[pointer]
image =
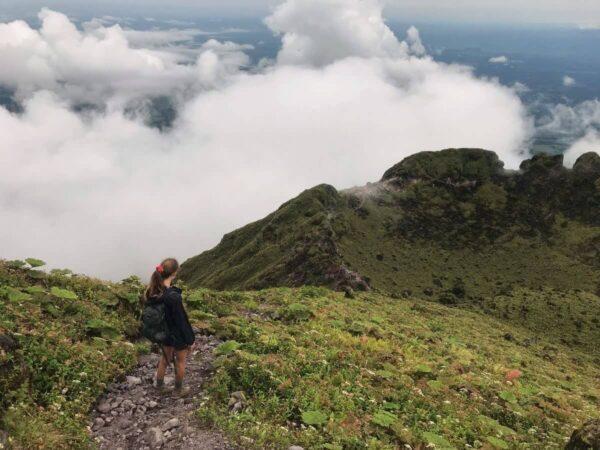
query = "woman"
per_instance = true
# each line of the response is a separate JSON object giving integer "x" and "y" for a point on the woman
{"x": 180, "y": 333}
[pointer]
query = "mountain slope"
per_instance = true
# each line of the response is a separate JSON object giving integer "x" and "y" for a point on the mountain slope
{"x": 320, "y": 370}
{"x": 435, "y": 220}
{"x": 63, "y": 338}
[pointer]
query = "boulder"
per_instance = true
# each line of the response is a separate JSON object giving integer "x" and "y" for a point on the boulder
{"x": 133, "y": 381}
{"x": 7, "y": 342}
{"x": 586, "y": 438}
{"x": 455, "y": 164}
{"x": 155, "y": 437}
{"x": 104, "y": 406}
{"x": 587, "y": 165}
{"x": 170, "y": 424}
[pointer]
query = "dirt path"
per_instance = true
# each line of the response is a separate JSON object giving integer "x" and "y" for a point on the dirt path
{"x": 132, "y": 414}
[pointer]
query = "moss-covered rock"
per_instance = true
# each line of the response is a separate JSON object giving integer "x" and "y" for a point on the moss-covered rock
{"x": 464, "y": 164}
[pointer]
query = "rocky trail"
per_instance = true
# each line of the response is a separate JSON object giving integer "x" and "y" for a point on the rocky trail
{"x": 133, "y": 414}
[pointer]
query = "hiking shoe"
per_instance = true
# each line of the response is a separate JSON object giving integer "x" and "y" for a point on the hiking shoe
{"x": 181, "y": 392}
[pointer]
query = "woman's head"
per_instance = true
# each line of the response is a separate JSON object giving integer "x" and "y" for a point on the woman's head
{"x": 165, "y": 271}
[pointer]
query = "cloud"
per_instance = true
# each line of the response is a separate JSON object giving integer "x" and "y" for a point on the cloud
{"x": 320, "y": 32}
{"x": 581, "y": 123}
{"x": 589, "y": 26}
{"x": 572, "y": 120}
{"x": 100, "y": 62}
{"x": 568, "y": 81}
{"x": 99, "y": 191}
{"x": 499, "y": 60}
{"x": 589, "y": 143}
{"x": 520, "y": 88}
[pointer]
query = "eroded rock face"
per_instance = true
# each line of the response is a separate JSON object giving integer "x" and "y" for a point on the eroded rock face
{"x": 586, "y": 438}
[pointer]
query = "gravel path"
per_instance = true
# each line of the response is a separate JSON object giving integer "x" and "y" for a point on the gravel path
{"x": 132, "y": 414}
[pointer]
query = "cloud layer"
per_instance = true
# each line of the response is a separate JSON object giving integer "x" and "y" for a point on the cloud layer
{"x": 97, "y": 190}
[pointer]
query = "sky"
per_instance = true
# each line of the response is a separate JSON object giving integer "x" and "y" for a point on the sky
{"x": 90, "y": 186}
{"x": 574, "y": 12}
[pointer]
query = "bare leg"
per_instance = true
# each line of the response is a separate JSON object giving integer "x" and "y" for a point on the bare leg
{"x": 180, "y": 360}
{"x": 165, "y": 359}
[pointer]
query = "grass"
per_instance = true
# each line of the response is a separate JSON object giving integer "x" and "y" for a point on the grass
{"x": 324, "y": 371}
{"x": 71, "y": 335}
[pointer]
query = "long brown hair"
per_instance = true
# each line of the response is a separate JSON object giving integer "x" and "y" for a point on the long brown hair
{"x": 163, "y": 271}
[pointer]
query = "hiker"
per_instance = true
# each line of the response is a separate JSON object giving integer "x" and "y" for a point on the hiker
{"x": 165, "y": 303}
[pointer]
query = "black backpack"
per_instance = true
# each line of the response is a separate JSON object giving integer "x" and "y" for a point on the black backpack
{"x": 154, "y": 324}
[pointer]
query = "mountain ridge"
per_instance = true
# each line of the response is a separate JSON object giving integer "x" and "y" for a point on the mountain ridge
{"x": 446, "y": 203}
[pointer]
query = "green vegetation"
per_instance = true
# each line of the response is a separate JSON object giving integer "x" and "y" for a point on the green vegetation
{"x": 469, "y": 317}
{"x": 434, "y": 217}
{"x": 62, "y": 339}
{"x": 375, "y": 372}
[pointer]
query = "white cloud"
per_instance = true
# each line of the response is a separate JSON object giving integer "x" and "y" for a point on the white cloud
{"x": 499, "y": 60}
{"x": 102, "y": 193}
{"x": 589, "y": 26}
{"x": 318, "y": 32}
{"x": 520, "y": 88}
{"x": 589, "y": 143}
{"x": 574, "y": 121}
{"x": 568, "y": 81}
{"x": 582, "y": 122}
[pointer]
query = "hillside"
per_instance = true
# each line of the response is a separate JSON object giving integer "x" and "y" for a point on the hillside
{"x": 434, "y": 220}
{"x": 308, "y": 366}
{"x": 449, "y": 226}
{"x": 63, "y": 338}
{"x": 324, "y": 371}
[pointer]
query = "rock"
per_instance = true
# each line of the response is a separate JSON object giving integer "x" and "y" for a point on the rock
{"x": 348, "y": 292}
{"x": 127, "y": 404}
{"x": 586, "y": 438}
{"x": 453, "y": 164}
{"x": 239, "y": 395}
{"x": 104, "y": 407}
{"x": 98, "y": 422}
{"x": 7, "y": 343}
{"x": 133, "y": 381}
{"x": 124, "y": 423}
{"x": 587, "y": 164}
{"x": 173, "y": 423}
{"x": 295, "y": 447}
{"x": 154, "y": 437}
{"x": 152, "y": 404}
{"x": 237, "y": 401}
{"x": 3, "y": 439}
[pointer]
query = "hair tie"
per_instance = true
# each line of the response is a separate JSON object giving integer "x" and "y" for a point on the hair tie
{"x": 160, "y": 268}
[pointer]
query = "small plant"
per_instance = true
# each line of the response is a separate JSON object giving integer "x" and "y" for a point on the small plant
{"x": 15, "y": 264}
{"x": 227, "y": 347}
{"x": 34, "y": 262}
{"x": 314, "y": 417}
{"x": 295, "y": 312}
{"x": 384, "y": 418}
{"x": 99, "y": 327}
{"x": 63, "y": 293}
